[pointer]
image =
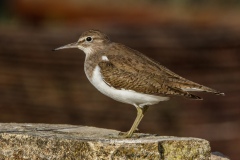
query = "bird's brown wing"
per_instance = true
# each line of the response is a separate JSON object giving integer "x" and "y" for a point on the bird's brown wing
{"x": 178, "y": 82}
{"x": 137, "y": 64}
{"x": 142, "y": 81}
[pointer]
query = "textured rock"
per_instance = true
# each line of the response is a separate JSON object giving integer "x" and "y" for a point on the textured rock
{"x": 45, "y": 141}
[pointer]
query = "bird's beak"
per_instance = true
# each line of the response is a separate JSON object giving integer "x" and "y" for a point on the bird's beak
{"x": 71, "y": 45}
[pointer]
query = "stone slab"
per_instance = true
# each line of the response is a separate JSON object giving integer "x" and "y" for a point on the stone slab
{"x": 54, "y": 141}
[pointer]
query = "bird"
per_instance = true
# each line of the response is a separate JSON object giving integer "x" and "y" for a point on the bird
{"x": 128, "y": 76}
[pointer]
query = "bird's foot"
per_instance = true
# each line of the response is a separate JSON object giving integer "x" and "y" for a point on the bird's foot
{"x": 135, "y": 135}
{"x": 129, "y": 134}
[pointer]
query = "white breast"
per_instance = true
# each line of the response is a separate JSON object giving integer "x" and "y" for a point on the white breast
{"x": 125, "y": 96}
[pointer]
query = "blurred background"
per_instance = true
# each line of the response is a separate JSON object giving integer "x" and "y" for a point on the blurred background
{"x": 200, "y": 40}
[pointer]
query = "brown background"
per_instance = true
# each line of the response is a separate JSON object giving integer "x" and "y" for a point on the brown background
{"x": 199, "y": 41}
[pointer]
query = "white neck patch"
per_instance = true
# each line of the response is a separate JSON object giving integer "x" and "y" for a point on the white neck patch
{"x": 104, "y": 58}
{"x": 87, "y": 50}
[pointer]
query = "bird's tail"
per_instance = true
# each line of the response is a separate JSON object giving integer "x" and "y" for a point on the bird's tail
{"x": 200, "y": 88}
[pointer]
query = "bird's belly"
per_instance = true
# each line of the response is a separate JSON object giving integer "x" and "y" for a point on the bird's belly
{"x": 122, "y": 95}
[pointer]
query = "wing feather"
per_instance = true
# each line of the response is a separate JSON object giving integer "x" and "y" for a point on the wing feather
{"x": 135, "y": 71}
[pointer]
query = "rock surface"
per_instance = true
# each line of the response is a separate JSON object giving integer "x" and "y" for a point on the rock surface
{"x": 48, "y": 141}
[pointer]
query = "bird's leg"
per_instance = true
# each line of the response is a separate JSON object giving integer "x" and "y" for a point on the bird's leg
{"x": 140, "y": 113}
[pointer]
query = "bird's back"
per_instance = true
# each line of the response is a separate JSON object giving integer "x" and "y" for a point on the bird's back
{"x": 143, "y": 74}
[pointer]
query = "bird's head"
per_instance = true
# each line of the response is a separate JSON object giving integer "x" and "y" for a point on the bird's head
{"x": 89, "y": 42}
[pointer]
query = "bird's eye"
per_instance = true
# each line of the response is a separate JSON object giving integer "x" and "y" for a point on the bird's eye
{"x": 89, "y": 39}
